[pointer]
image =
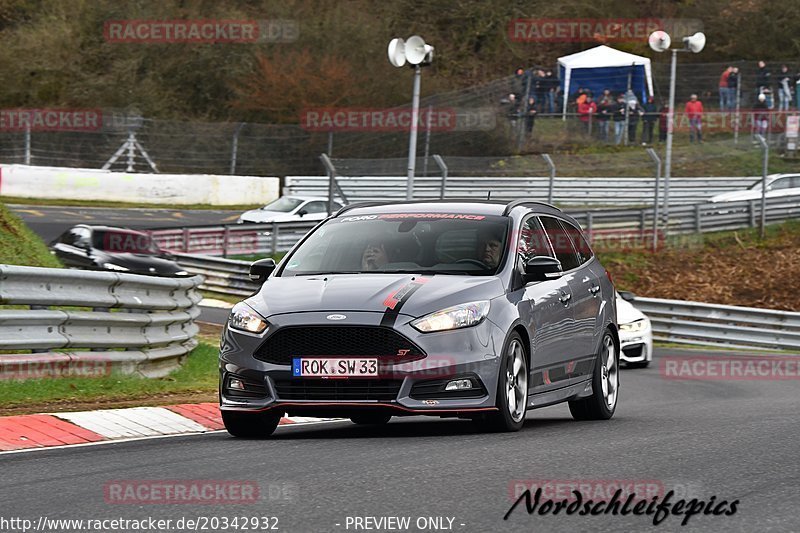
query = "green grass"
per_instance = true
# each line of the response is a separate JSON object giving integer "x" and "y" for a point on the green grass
{"x": 103, "y": 203}
{"x": 19, "y": 245}
{"x": 255, "y": 257}
{"x": 197, "y": 375}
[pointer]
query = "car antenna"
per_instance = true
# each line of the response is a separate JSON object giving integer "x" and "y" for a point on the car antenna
{"x": 489, "y": 195}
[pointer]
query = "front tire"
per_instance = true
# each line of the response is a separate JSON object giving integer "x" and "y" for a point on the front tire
{"x": 246, "y": 425}
{"x": 512, "y": 390}
{"x": 605, "y": 385}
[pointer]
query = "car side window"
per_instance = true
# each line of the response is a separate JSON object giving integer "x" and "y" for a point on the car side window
{"x": 77, "y": 237}
{"x": 315, "y": 207}
{"x": 532, "y": 240}
{"x": 780, "y": 183}
{"x": 560, "y": 241}
{"x": 579, "y": 242}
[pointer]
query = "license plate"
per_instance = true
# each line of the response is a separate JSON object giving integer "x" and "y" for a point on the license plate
{"x": 326, "y": 367}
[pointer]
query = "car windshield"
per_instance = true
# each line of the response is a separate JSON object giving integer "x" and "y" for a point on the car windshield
{"x": 434, "y": 243}
{"x": 130, "y": 242}
{"x": 283, "y": 205}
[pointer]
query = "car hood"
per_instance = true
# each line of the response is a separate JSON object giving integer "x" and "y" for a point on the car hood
{"x": 406, "y": 294}
{"x": 258, "y": 215}
{"x": 732, "y": 196}
{"x": 627, "y": 313}
{"x": 143, "y": 263}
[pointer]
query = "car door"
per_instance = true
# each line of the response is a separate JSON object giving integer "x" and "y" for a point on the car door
{"x": 316, "y": 210}
{"x": 543, "y": 306}
{"x": 586, "y": 297}
{"x": 73, "y": 248}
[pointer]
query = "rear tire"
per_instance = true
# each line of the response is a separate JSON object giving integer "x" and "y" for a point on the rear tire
{"x": 370, "y": 419}
{"x": 605, "y": 385}
{"x": 246, "y": 425}
{"x": 512, "y": 390}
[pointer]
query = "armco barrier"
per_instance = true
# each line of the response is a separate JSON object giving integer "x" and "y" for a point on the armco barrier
{"x": 105, "y": 321}
{"x": 170, "y": 189}
{"x": 567, "y": 191}
{"x": 721, "y": 325}
{"x": 224, "y": 276}
{"x": 269, "y": 239}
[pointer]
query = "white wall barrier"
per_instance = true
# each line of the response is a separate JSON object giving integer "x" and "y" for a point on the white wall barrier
{"x": 171, "y": 189}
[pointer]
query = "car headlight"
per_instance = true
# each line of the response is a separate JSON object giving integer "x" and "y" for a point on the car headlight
{"x": 181, "y": 273}
{"x": 636, "y": 325}
{"x": 244, "y": 318}
{"x": 112, "y": 266}
{"x": 458, "y": 316}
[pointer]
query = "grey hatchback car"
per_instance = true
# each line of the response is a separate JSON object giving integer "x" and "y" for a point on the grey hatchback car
{"x": 468, "y": 309}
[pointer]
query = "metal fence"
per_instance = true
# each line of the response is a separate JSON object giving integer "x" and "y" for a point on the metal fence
{"x": 58, "y": 322}
{"x": 223, "y": 276}
{"x": 721, "y": 325}
{"x": 567, "y": 191}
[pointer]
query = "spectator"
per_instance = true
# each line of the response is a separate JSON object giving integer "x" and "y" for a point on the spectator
{"x": 619, "y": 119}
{"x": 580, "y": 96}
{"x": 520, "y": 84}
{"x": 530, "y": 116}
{"x": 540, "y": 88}
{"x": 763, "y": 78}
{"x": 552, "y": 84}
{"x": 784, "y": 89}
{"x": 733, "y": 87}
{"x": 634, "y": 112}
{"x": 586, "y": 112}
{"x": 650, "y": 117}
{"x": 512, "y": 105}
{"x": 663, "y": 123}
{"x": 694, "y": 111}
{"x": 605, "y": 111}
{"x": 724, "y": 99}
{"x": 761, "y": 115}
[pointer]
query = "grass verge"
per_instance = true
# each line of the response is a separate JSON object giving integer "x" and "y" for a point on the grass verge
{"x": 21, "y": 246}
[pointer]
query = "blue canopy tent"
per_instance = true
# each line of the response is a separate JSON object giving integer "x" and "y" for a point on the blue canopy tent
{"x": 604, "y": 67}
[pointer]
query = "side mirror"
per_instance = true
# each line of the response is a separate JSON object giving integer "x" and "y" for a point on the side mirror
{"x": 627, "y": 296}
{"x": 542, "y": 268}
{"x": 261, "y": 269}
{"x": 302, "y": 212}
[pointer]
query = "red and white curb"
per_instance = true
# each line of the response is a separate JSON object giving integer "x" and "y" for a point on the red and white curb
{"x": 59, "y": 429}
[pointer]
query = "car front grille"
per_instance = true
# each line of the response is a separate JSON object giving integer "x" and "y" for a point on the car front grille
{"x": 633, "y": 351}
{"x": 337, "y": 341}
{"x": 337, "y": 389}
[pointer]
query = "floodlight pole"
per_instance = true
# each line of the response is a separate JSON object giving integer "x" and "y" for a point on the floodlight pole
{"x": 412, "y": 138}
{"x": 765, "y": 147}
{"x": 670, "y": 130}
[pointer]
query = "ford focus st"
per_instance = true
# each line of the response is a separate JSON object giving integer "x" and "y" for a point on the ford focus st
{"x": 478, "y": 310}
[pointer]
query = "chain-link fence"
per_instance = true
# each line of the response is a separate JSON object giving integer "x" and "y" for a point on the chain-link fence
{"x": 483, "y": 125}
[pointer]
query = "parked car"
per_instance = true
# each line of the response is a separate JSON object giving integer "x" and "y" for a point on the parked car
{"x": 635, "y": 332}
{"x": 777, "y": 185}
{"x": 479, "y": 310}
{"x": 114, "y": 249}
{"x": 290, "y": 209}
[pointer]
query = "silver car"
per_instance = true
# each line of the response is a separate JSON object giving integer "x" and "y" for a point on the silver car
{"x": 478, "y": 310}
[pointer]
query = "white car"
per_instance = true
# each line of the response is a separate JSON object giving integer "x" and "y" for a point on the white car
{"x": 777, "y": 185}
{"x": 290, "y": 209}
{"x": 635, "y": 333}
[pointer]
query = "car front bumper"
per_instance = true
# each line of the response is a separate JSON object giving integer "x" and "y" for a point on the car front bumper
{"x": 404, "y": 385}
{"x": 636, "y": 347}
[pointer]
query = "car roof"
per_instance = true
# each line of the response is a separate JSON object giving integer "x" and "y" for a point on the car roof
{"x": 108, "y": 228}
{"x": 477, "y": 207}
{"x": 304, "y": 198}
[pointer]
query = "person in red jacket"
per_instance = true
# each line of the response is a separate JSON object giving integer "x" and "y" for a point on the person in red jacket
{"x": 587, "y": 110}
{"x": 694, "y": 112}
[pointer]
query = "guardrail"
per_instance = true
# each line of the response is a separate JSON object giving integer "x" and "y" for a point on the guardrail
{"x": 567, "y": 191}
{"x": 223, "y": 276}
{"x": 628, "y": 224}
{"x": 721, "y": 325}
{"x": 74, "y": 322}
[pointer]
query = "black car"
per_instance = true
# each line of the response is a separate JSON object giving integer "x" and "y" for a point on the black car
{"x": 114, "y": 249}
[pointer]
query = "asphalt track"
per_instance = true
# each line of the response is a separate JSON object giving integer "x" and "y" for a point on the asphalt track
{"x": 51, "y": 221}
{"x": 736, "y": 440}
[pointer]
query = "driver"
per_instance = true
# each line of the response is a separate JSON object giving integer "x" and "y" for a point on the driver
{"x": 490, "y": 248}
{"x": 374, "y": 256}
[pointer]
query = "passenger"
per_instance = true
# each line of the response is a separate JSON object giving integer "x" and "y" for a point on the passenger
{"x": 490, "y": 248}
{"x": 374, "y": 257}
